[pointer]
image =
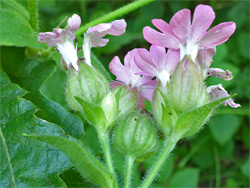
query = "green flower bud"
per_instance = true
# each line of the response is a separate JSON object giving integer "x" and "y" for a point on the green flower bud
{"x": 109, "y": 107}
{"x": 135, "y": 136}
{"x": 127, "y": 100}
{"x": 187, "y": 90}
{"x": 88, "y": 83}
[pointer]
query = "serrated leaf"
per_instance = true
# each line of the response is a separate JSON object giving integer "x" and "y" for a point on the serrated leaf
{"x": 26, "y": 163}
{"x": 93, "y": 113}
{"x": 15, "y": 26}
{"x": 30, "y": 75}
{"x": 188, "y": 177}
{"x": 190, "y": 122}
{"x": 223, "y": 127}
{"x": 81, "y": 158}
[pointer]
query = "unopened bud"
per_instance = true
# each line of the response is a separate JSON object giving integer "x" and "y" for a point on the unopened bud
{"x": 135, "y": 136}
{"x": 109, "y": 107}
{"x": 187, "y": 90}
{"x": 88, "y": 83}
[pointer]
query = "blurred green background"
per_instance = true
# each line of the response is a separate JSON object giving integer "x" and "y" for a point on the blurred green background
{"x": 218, "y": 156}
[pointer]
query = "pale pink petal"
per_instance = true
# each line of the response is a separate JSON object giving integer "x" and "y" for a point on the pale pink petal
{"x": 119, "y": 70}
{"x": 205, "y": 57}
{"x": 99, "y": 30}
{"x": 99, "y": 42}
{"x": 145, "y": 64}
{"x": 181, "y": 23}
{"x": 130, "y": 65}
{"x": 159, "y": 56}
{"x": 74, "y": 22}
{"x": 157, "y": 38}
{"x": 147, "y": 90}
{"x": 216, "y": 72}
{"x": 202, "y": 20}
{"x": 118, "y": 27}
{"x": 217, "y": 92}
{"x": 172, "y": 60}
{"x": 218, "y": 35}
{"x": 48, "y": 38}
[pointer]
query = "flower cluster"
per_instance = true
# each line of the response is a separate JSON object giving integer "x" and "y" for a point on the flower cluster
{"x": 186, "y": 41}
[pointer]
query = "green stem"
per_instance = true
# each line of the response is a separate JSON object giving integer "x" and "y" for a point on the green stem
{"x": 104, "y": 139}
{"x": 128, "y": 173}
{"x": 193, "y": 151}
{"x": 8, "y": 158}
{"x": 33, "y": 13}
{"x": 168, "y": 147}
{"x": 113, "y": 15}
{"x": 217, "y": 167}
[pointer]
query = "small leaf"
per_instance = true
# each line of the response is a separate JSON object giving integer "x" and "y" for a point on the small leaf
{"x": 188, "y": 177}
{"x": 223, "y": 127}
{"x": 93, "y": 113}
{"x": 26, "y": 163}
{"x": 190, "y": 122}
{"x": 81, "y": 158}
{"x": 15, "y": 26}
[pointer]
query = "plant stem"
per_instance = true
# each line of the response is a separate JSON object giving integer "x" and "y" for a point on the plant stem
{"x": 168, "y": 147}
{"x": 128, "y": 173}
{"x": 113, "y": 15}
{"x": 104, "y": 139}
{"x": 33, "y": 13}
{"x": 217, "y": 167}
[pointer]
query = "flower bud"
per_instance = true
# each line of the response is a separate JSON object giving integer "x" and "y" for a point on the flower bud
{"x": 109, "y": 107}
{"x": 135, "y": 136}
{"x": 87, "y": 83}
{"x": 187, "y": 90}
{"x": 127, "y": 99}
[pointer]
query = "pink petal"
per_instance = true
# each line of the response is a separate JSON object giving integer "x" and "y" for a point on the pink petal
{"x": 157, "y": 38}
{"x": 145, "y": 64}
{"x": 115, "y": 84}
{"x": 130, "y": 65}
{"x": 218, "y": 35}
{"x": 172, "y": 60}
{"x": 48, "y": 38}
{"x": 148, "y": 89}
{"x": 181, "y": 23}
{"x": 159, "y": 56}
{"x": 74, "y": 22}
{"x": 98, "y": 42}
{"x": 118, "y": 27}
{"x": 217, "y": 92}
{"x": 216, "y": 72}
{"x": 202, "y": 20}
{"x": 119, "y": 70}
{"x": 205, "y": 57}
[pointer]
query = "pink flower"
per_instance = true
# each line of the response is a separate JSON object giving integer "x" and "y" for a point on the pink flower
{"x": 181, "y": 35}
{"x": 204, "y": 58}
{"x": 94, "y": 36}
{"x": 63, "y": 40}
{"x": 217, "y": 92}
{"x": 157, "y": 63}
{"x": 126, "y": 75}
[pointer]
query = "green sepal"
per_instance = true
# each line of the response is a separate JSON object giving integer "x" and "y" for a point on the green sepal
{"x": 168, "y": 116}
{"x": 191, "y": 121}
{"x": 84, "y": 161}
{"x": 93, "y": 113}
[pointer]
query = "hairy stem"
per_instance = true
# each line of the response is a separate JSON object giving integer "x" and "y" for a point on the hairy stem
{"x": 113, "y": 15}
{"x": 104, "y": 139}
{"x": 168, "y": 147}
{"x": 33, "y": 13}
{"x": 128, "y": 173}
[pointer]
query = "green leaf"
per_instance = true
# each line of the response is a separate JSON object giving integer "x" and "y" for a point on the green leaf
{"x": 15, "y": 26}
{"x": 223, "y": 127}
{"x": 188, "y": 177}
{"x": 190, "y": 122}
{"x": 245, "y": 168}
{"x": 93, "y": 113}
{"x": 81, "y": 158}
{"x": 30, "y": 75}
{"x": 26, "y": 163}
